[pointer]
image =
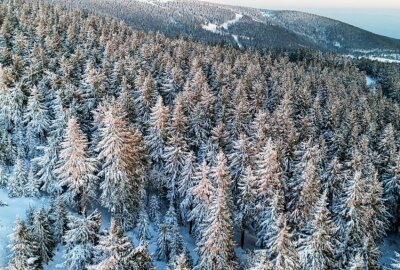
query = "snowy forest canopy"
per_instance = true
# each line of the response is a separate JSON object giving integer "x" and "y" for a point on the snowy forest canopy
{"x": 292, "y": 150}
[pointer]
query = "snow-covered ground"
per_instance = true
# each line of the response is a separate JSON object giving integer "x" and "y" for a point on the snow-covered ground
{"x": 389, "y": 246}
{"x": 16, "y": 208}
{"x": 370, "y": 81}
{"x": 384, "y": 60}
{"x": 218, "y": 29}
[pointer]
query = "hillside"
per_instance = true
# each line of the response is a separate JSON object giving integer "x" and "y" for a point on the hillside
{"x": 255, "y": 28}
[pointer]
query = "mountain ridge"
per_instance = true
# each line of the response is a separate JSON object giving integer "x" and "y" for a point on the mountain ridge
{"x": 256, "y": 28}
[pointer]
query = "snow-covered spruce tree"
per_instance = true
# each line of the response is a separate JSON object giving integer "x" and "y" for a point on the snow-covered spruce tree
{"x": 156, "y": 137}
{"x": 123, "y": 166}
{"x": 261, "y": 261}
{"x": 76, "y": 169}
{"x": 354, "y": 218}
{"x": 162, "y": 251}
{"x": 126, "y": 100}
{"x": 42, "y": 236}
{"x": 175, "y": 240}
{"x": 310, "y": 192}
{"x": 269, "y": 174}
{"x": 143, "y": 225}
{"x": 3, "y": 177}
{"x": 216, "y": 244}
{"x": 179, "y": 121}
{"x": 391, "y": 181}
{"x": 179, "y": 263}
{"x": 317, "y": 248}
{"x": 22, "y": 248}
{"x": 247, "y": 193}
{"x": 154, "y": 208}
{"x": 283, "y": 252}
{"x": 116, "y": 252}
{"x": 268, "y": 220}
{"x": 185, "y": 185}
{"x": 240, "y": 158}
{"x": 202, "y": 194}
{"x": 47, "y": 164}
{"x": 145, "y": 99}
{"x": 357, "y": 263}
{"x": 174, "y": 157}
{"x": 37, "y": 120}
{"x": 80, "y": 239}
{"x": 32, "y": 188}
{"x": 18, "y": 179}
{"x": 58, "y": 217}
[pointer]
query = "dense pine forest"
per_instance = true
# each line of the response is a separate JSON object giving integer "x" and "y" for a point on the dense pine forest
{"x": 268, "y": 160}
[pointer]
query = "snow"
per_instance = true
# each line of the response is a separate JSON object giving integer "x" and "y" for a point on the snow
{"x": 370, "y": 80}
{"x": 337, "y": 44}
{"x": 235, "y": 37}
{"x": 226, "y": 24}
{"x": 384, "y": 60}
{"x": 212, "y": 27}
{"x": 267, "y": 14}
{"x": 388, "y": 247}
{"x": 16, "y": 208}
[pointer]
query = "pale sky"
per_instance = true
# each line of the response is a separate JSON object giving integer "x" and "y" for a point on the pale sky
{"x": 380, "y": 17}
{"x": 291, "y": 4}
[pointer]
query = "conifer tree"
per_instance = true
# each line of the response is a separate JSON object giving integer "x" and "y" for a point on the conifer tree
{"x": 216, "y": 244}
{"x": 202, "y": 193}
{"x": 156, "y": 137}
{"x": 143, "y": 224}
{"x": 283, "y": 250}
{"x": 3, "y": 177}
{"x": 117, "y": 252}
{"x": 77, "y": 169}
{"x": 47, "y": 164}
{"x": 58, "y": 218}
{"x": 37, "y": 120}
{"x": 32, "y": 188}
{"x": 269, "y": 174}
{"x": 17, "y": 179}
{"x": 154, "y": 208}
{"x": 240, "y": 158}
{"x": 247, "y": 193}
{"x": 81, "y": 238}
{"x": 179, "y": 263}
{"x": 123, "y": 158}
{"x": 318, "y": 247}
{"x": 162, "y": 251}
{"x": 22, "y": 248}
{"x": 186, "y": 184}
{"x": 42, "y": 236}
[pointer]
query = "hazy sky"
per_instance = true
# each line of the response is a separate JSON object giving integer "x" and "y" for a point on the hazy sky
{"x": 381, "y": 17}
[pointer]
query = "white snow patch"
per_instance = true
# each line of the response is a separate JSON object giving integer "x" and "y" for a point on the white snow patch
{"x": 226, "y": 24}
{"x": 236, "y": 38}
{"x": 337, "y": 44}
{"x": 267, "y": 14}
{"x": 370, "y": 80}
{"x": 211, "y": 27}
{"x": 218, "y": 29}
{"x": 16, "y": 208}
{"x": 384, "y": 60}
